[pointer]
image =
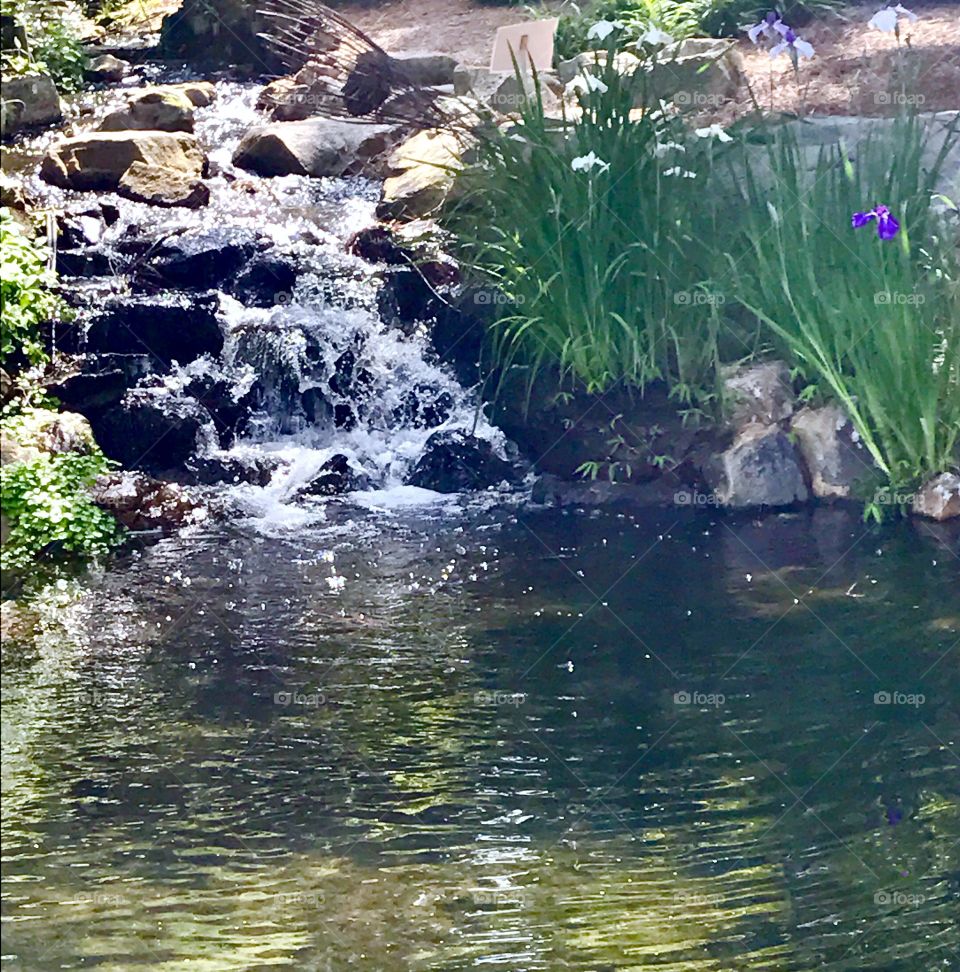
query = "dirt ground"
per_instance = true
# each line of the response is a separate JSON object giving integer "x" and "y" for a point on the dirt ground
{"x": 850, "y": 74}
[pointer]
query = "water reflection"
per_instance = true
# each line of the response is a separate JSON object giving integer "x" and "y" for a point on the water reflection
{"x": 534, "y": 741}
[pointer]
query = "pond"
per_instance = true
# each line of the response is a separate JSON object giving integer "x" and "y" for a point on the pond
{"x": 469, "y": 735}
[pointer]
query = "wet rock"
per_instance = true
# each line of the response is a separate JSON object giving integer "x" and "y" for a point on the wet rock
{"x": 286, "y": 100}
{"x": 758, "y": 393}
{"x": 423, "y": 177}
{"x": 101, "y": 381}
{"x": 226, "y": 468}
{"x": 163, "y": 187}
{"x": 314, "y": 147}
{"x": 557, "y": 491}
{"x": 834, "y": 458}
{"x": 458, "y": 334}
{"x": 141, "y": 502}
{"x": 760, "y": 468}
{"x": 206, "y": 259}
{"x": 44, "y": 432}
{"x": 227, "y": 401}
{"x": 29, "y": 102}
{"x": 107, "y": 69}
{"x": 156, "y": 109}
{"x": 99, "y": 160}
{"x": 455, "y": 461}
{"x": 424, "y": 407}
{"x": 167, "y": 327}
{"x": 939, "y": 498}
{"x": 79, "y": 229}
{"x": 154, "y": 430}
{"x": 406, "y": 298}
{"x": 267, "y": 280}
{"x": 336, "y": 477}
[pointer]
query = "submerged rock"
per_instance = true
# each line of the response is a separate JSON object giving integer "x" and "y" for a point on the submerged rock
{"x": 168, "y": 327}
{"x": 99, "y": 160}
{"x": 834, "y": 457}
{"x": 455, "y": 461}
{"x": 29, "y": 102}
{"x": 313, "y": 147}
{"x": 939, "y": 498}
{"x": 760, "y": 468}
{"x": 141, "y": 502}
{"x": 154, "y": 430}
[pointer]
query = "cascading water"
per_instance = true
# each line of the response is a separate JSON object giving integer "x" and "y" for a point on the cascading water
{"x": 310, "y": 360}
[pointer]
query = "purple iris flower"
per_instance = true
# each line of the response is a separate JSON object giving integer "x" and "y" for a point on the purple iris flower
{"x": 768, "y": 27}
{"x": 887, "y": 226}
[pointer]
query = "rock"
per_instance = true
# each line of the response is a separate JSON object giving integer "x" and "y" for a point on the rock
{"x": 228, "y": 400}
{"x": 163, "y": 187}
{"x": 695, "y": 73}
{"x": 832, "y": 453}
{"x": 227, "y": 468}
{"x": 556, "y": 491}
{"x": 101, "y": 381}
{"x": 201, "y": 94}
{"x": 760, "y": 468}
{"x": 407, "y": 298}
{"x": 337, "y": 477}
{"x": 107, "y": 69}
{"x": 13, "y": 195}
{"x": 140, "y": 502}
{"x": 424, "y": 406}
{"x": 167, "y": 327}
{"x": 44, "y": 432}
{"x": 226, "y": 35}
{"x": 428, "y": 70}
{"x": 154, "y": 430}
{"x": 424, "y": 179}
{"x": 100, "y": 160}
{"x": 314, "y": 147}
{"x": 205, "y": 259}
{"x": 506, "y": 93}
{"x": 29, "y": 102}
{"x": 286, "y": 100}
{"x": 939, "y": 498}
{"x": 455, "y": 461}
{"x": 267, "y": 280}
{"x": 758, "y": 393}
{"x": 155, "y": 110}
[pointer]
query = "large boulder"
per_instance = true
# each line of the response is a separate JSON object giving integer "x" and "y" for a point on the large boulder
{"x": 424, "y": 168}
{"x": 168, "y": 327}
{"x": 29, "y": 102}
{"x": 939, "y": 498}
{"x": 312, "y": 147}
{"x": 507, "y": 93}
{"x": 455, "y": 461}
{"x": 154, "y": 430}
{"x": 156, "y": 109}
{"x": 760, "y": 468}
{"x": 101, "y": 159}
{"x": 832, "y": 452}
{"x": 428, "y": 70}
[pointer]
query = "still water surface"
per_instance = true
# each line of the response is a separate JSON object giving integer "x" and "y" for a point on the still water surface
{"x": 481, "y": 738}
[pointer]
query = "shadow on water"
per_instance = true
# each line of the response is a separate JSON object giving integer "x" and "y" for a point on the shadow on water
{"x": 480, "y": 738}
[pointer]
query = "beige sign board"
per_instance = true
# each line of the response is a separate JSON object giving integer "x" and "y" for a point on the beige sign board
{"x": 529, "y": 43}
